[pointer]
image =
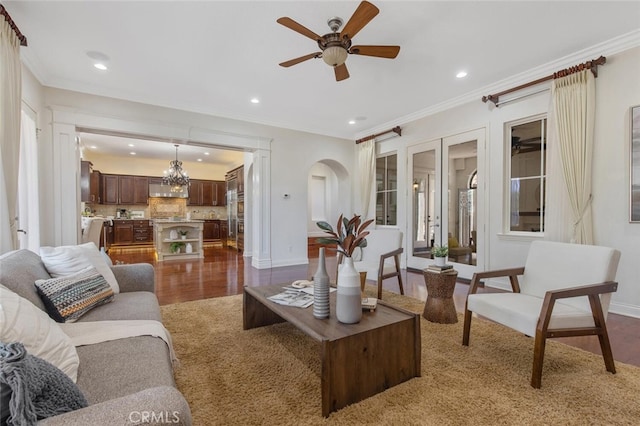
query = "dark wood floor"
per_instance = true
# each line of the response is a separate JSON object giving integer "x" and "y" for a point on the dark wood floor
{"x": 223, "y": 272}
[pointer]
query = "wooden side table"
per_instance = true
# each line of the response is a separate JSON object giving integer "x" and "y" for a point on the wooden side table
{"x": 439, "y": 306}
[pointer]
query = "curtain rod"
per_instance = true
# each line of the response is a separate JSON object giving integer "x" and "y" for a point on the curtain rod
{"x": 590, "y": 65}
{"x": 396, "y": 129}
{"x": 14, "y": 27}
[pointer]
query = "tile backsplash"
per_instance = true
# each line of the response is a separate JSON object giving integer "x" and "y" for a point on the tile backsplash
{"x": 163, "y": 208}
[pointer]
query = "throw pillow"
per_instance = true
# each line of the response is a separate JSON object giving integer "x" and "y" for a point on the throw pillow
{"x": 21, "y": 321}
{"x": 67, "y": 260}
{"x": 38, "y": 388}
{"x": 453, "y": 242}
{"x": 68, "y": 298}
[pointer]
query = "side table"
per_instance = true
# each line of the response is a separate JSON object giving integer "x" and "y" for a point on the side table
{"x": 439, "y": 306}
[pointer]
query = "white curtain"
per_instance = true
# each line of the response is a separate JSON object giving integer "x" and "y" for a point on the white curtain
{"x": 10, "y": 101}
{"x": 367, "y": 167}
{"x": 28, "y": 193}
{"x": 570, "y": 156}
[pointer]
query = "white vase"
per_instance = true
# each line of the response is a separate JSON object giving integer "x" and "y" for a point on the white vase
{"x": 440, "y": 261}
{"x": 189, "y": 248}
{"x": 321, "y": 289}
{"x": 349, "y": 297}
{"x": 173, "y": 234}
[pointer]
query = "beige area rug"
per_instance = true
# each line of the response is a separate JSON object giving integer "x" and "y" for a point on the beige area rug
{"x": 271, "y": 376}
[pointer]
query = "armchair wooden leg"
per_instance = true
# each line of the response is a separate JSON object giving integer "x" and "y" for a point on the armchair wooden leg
{"x": 603, "y": 335}
{"x": 605, "y": 347}
{"x": 397, "y": 261}
{"x": 538, "y": 359}
{"x": 379, "y": 288}
{"x": 466, "y": 328}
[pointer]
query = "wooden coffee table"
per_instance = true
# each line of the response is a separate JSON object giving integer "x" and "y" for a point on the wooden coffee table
{"x": 358, "y": 360}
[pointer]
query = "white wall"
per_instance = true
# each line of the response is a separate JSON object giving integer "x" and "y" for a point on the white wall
{"x": 617, "y": 89}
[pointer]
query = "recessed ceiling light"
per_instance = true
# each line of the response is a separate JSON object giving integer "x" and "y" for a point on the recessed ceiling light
{"x": 352, "y": 121}
{"x": 255, "y": 100}
{"x": 99, "y": 59}
{"x": 461, "y": 74}
{"x": 93, "y": 147}
{"x": 206, "y": 153}
{"x": 131, "y": 145}
{"x": 132, "y": 153}
{"x": 199, "y": 159}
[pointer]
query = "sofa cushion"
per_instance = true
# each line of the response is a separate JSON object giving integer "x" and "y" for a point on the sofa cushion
{"x": 38, "y": 388}
{"x": 67, "y": 260}
{"x": 135, "y": 305}
{"x": 21, "y": 321}
{"x": 19, "y": 270}
{"x": 140, "y": 362}
{"x": 68, "y": 298}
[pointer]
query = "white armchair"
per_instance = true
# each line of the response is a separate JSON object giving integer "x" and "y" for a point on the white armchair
{"x": 380, "y": 259}
{"x": 564, "y": 291}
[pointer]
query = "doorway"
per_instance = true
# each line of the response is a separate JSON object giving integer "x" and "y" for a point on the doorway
{"x": 446, "y": 181}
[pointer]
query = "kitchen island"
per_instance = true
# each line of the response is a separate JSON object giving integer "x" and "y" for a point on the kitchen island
{"x": 170, "y": 244}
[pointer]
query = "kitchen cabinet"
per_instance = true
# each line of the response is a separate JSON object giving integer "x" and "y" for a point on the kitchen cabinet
{"x": 211, "y": 230}
{"x": 207, "y": 193}
{"x": 123, "y": 232}
{"x": 124, "y": 189}
{"x": 240, "y": 175}
{"x": 142, "y": 232}
{"x": 224, "y": 231}
{"x": 220, "y": 193}
{"x": 95, "y": 187}
{"x": 132, "y": 231}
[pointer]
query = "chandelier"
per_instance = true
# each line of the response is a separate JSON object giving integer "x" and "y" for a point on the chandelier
{"x": 175, "y": 176}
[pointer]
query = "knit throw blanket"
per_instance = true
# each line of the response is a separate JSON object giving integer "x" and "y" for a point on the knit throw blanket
{"x": 38, "y": 388}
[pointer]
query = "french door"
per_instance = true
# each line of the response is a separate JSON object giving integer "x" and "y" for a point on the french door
{"x": 446, "y": 201}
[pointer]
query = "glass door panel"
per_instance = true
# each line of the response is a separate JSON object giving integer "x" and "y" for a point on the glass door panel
{"x": 446, "y": 201}
{"x": 424, "y": 206}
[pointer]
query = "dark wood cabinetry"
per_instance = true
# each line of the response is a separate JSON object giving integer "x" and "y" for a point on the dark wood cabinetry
{"x": 95, "y": 187}
{"x": 124, "y": 189}
{"x": 90, "y": 183}
{"x": 126, "y": 231}
{"x": 122, "y": 232}
{"x": 211, "y": 230}
{"x": 207, "y": 193}
{"x": 224, "y": 231}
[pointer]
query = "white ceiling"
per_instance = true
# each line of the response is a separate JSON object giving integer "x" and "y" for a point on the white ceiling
{"x": 213, "y": 57}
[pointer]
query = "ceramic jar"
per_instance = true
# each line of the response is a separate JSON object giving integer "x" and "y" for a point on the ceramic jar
{"x": 349, "y": 298}
{"x": 321, "y": 289}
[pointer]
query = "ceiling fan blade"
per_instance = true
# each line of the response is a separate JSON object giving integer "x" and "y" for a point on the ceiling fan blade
{"x": 300, "y": 59}
{"x": 378, "y": 51}
{"x": 341, "y": 72}
{"x": 293, "y": 25}
{"x": 361, "y": 17}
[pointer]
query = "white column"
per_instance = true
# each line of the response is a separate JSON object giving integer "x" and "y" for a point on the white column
{"x": 261, "y": 209}
{"x": 65, "y": 185}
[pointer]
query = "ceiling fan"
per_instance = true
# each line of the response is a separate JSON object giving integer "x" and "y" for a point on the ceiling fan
{"x": 336, "y": 45}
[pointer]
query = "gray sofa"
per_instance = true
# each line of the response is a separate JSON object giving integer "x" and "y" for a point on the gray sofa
{"x": 123, "y": 380}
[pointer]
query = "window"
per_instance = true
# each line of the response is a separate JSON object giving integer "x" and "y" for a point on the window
{"x": 527, "y": 172}
{"x": 387, "y": 190}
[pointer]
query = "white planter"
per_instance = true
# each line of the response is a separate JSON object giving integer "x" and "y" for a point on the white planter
{"x": 440, "y": 261}
{"x": 349, "y": 296}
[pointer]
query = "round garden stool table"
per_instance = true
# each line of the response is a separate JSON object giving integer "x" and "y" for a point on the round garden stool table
{"x": 439, "y": 306}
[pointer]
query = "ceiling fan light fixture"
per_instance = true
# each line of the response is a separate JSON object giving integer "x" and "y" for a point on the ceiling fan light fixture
{"x": 334, "y": 55}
